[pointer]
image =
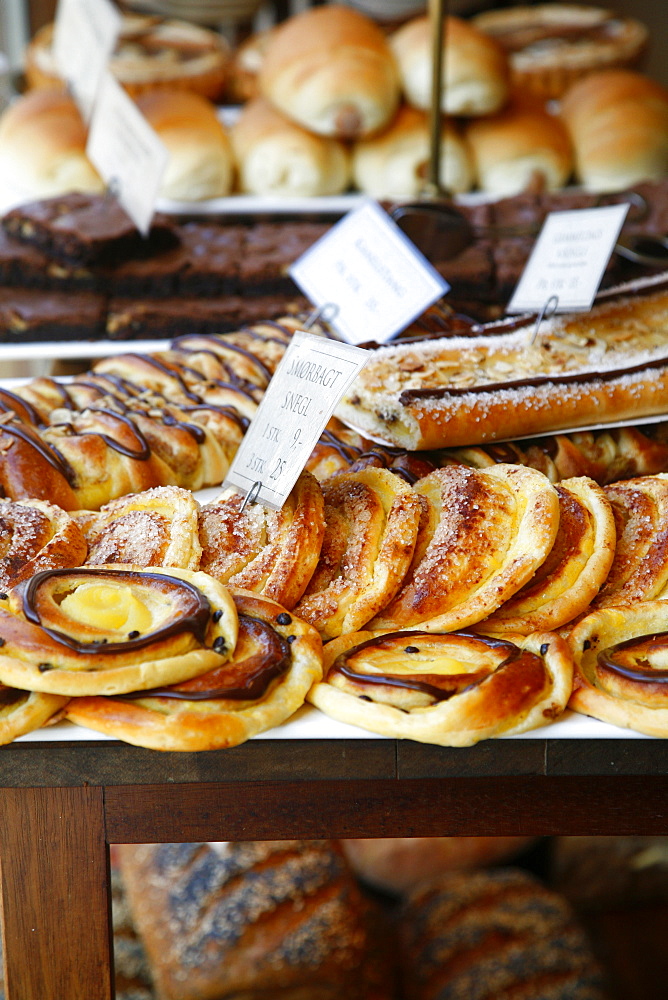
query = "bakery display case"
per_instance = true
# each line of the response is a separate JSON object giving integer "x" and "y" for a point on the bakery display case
{"x": 155, "y": 314}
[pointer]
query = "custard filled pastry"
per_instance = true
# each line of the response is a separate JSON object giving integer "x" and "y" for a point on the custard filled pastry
{"x": 100, "y": 630}
{"x": 372, "y": 519}
{"x": 36, "y": 535}
{"x": 451, "y": 689}
{"x": 575, "y": 569}
{"x": 155, "y": 528}
{"x": 276, "y": 660}
{"x": 24, "y": 711}
{"x": 621, "y": 675}
{"x": 268, "y": 552}
{"x": 485, "y": 534}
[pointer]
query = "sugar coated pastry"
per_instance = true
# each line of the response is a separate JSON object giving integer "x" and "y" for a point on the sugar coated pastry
{"x": 36, "y": 535}
{"x": 451, "y": 689}
{"x": 275, "y": 661}
{"x": 101, "y": 630}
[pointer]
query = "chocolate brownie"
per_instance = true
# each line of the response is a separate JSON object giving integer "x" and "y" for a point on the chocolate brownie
{"x": 29, "y": 315}
{"x": 85, "y": 229}
{"x": 270, "y": 249}
{"x": 27, "y": 267}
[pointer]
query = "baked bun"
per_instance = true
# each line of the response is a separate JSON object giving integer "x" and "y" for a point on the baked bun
{"x": 276, "y": 156}
{"x": 521, "y": 147}
{"x": 200, "y": 153}
{"x": 394, "y": 163}
{"x": 43, "y": 146}
{"x": 150, "y": 52}
{"x": 551, "y": 45}
{"x": 331, "y": 69}
{"x": 244, "y": 67}
{"x": 620, "y": 666}
{"x": 618, "y": 124}
{"x": 450, "y": 689}
{"x": 475, "y": 67}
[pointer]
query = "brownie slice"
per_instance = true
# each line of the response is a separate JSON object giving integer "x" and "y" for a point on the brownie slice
{"x": 270, "y": 249}
{"x": 84, "y": 229}
{"x": 30, "y": 315}
{"x": 27, "y": 267}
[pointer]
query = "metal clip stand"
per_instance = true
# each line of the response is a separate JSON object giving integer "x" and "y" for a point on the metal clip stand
{"x": 326, "y": 313}
{"x": 548, "y": 310}
{"x": 252, "y": 495}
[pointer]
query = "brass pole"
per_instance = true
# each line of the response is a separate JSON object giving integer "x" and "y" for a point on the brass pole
{"x": 437, "y": 16}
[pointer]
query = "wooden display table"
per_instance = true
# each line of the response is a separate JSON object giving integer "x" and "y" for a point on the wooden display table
{"x": 63, "y": 803}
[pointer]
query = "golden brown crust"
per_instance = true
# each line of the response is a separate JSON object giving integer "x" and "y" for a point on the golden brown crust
{"x": 285, "y": 649}
{"x": 620, "y": 666}
{"x": 36, "y": 535}
{"x": 372, "y": 519}
{"x": 30, "y": 468}
{"x": 22, "y": 712}
{"x": 488, "y": 531}
{"x": 449, "y": 689}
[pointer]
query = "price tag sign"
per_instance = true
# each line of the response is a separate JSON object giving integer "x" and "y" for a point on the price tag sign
{"x": 128, "y": 154}
{"x": 305, "y": 390}
{"x": 568, "y": 259}
{"x": 372, "y": 272}
{"x": 84, "y": 36}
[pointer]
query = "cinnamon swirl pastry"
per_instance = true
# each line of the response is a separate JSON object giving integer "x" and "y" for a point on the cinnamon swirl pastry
{"x": 31, "y": 467}
{"x": 101, "y": 630}
{"x": 621, "y": 675}
{"x": 24, "y": 711}
{"x": 372, "y": 519}
{"x": 452, "y": 689}
{"x": 155, "y": 528}
{"x": 485, "y": 534}
{"x": 639, "y": 570}
{"x": 574, "y": 570}
{"x": 36, "y": 535}
{"x": 273, "y": 553}
{"x": 276, "y": 660}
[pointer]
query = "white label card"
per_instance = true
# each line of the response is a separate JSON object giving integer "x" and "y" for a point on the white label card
{"x": 369, "y": 269}
{"x": 305, "y": 390}
{"x": 568, "y": 259}
{"x": 84, "y": 36}
{"x": 127, "y": 152}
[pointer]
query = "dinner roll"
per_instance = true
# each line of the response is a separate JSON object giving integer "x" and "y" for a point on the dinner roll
{"x": 618, "y": 123}
{"x": 523, "y": 146}
{"x": 275, "y": 156}
{"x": 331, "y": 70}
{"x": 43, "y": 146}
{"x": 200, "y": 152}
{"x": 395, "y": 163}
{"x": 475, "y": 67}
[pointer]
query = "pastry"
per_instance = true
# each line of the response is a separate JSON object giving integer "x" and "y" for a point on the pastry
{"x": 475, "y": 67}
{"x": 485, "y": 534}
{"x": 23, "y": 712}
{"x": 276, "y": 157}
{"x": 607, "y": 365}
{"x": 551, "y": 45}
{"x": 574, "y": 570}
{"x": 275, "y": 661}
{"x": 372, "y": 519}
{"x": 155, "y": 528}
{"x": 100, "y": 630}
{"x": 30, "y": 467}
{"x": 36, "y": 535}
{"x": 620, "y": 666}
{"x": 332, "y": 71}
{"x": 269, "y": 552}
{"x": 450, "y": 689}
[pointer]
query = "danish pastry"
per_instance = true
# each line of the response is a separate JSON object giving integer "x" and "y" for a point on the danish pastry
{"x": 620, "y": 656}
{"x": 372, "y": 519}
{"x": 22, "y": 712}
{"x": 276, "y": 660}
{"x": 36, "y": 535}
{"x": 100, "y": 630}
{"x": 268, "y": 552}
{"x": 155, "y": 528}
{"x": 486, "y": 532}
{"x": 574, "y": 570}
{"x": 31, "y": 467}
{"x": 452, "y": 689}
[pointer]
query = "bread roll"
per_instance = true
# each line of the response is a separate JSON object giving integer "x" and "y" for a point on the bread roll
{"x": 200, "y": 152}
{"x": 275, "y": 156}
{"x": 475, "y": 67}
{"x": 331, "y": 69}
{"x": 618, "y": 123}
{"x": 394, "y": 163}
{"x": 43, "y": 146}
{"x": 521, "y": 147}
